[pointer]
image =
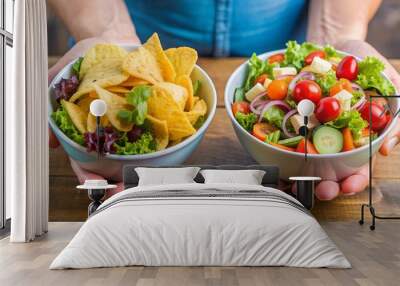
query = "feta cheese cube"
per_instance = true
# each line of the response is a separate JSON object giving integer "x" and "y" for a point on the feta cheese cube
{"x": 267, "y": 82}
{"x": 298, "y": 121}
{"x": 254, "y": 91}
{"x": 344, "y": 97}
{"x": 277, "y": 72}
{"x": 319, "y": 65}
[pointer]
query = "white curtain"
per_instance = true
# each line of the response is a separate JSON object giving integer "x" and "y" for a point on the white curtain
{"x": 26, "y": 124}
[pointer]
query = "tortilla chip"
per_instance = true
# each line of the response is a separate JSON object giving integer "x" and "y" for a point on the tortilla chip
{"x": 114, "y": 103}
{"x": 98, "y": 54}
{"x": 200, "y": 109}
{"x": 161, "y": 105}
{"x": 183, "y": 59}
{"x": 132, "y": 82}
{"x": 91, "y": 122}
{"x": 153, "y": 45}
{"x": 140, "y": 63}
{"x": 186, "y": 82}
{"x": 178, "y": 93}
{"x": 93, "y": 94}
{"x": 160, "y": 129}
{"x": 77, "y": 115}
{"x": 107, "y": 73}
{"x": 174, "y": 142}
{"x": 84, "y": 103}
{"x": 118, "y": 89}
{"x": 195, "y": 100}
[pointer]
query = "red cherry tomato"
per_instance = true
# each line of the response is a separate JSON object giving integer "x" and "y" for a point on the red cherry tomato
{"x": 241, "y": 106}
{"x": 347, "y": 68}
{"x": 307, "y": 89}
{"x": 308, "y": 59}
{"x": 261, "y": 78}
{"x": 379, "y": 116}
{"x": 328, "y": 109}
{"x": 260, "y": 130}
{"x": 278, "y": 58}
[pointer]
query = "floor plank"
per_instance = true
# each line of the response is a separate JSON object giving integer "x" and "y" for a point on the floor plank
{"x": 375, "y": 257}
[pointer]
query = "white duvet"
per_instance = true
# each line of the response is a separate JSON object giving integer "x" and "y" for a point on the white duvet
{"x": 190, "y": 230}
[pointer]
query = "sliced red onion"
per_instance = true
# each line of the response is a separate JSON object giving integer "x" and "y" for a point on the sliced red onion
{"x": 302, "y": 75}
{"x": 279, "y": 103}
{"x": 256, "y": 102}
{"x": 285, "y": 119}
{"x": 356, "y": 87}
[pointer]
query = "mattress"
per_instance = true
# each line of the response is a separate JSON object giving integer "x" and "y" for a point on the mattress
{"x": 201, "y": 225}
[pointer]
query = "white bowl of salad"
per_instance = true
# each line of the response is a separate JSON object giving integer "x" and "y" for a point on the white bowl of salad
{"x": 262, "y": 95}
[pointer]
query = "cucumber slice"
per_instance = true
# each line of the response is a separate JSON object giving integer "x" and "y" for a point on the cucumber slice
{"x": 291, "y": 142}
{"x": 328, "y": 140}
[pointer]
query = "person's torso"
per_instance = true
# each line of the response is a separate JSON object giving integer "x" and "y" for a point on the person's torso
{"x": 221, "y": 27}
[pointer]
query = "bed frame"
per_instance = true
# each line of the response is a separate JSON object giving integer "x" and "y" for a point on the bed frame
{"x": 271, "y": 177}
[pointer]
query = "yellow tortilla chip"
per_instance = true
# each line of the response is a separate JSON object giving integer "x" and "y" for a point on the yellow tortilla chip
{"x": 178, "y": 93}
{"x": 153, "y": 45}
{"x": 77, "y": 115}
{"x": 195, "y": 99}
{"x": 186, "y": 82}
{"x": 161, "y": 105}
{"x": 132, "y": 82}
{"x": 160, "y": 129}
{"x": 140, "y": 63}
{"x": 114, "y": 103}
{"x": 84, "y": 103}
{"x": 200, "y": 109}
{"x": 174, "y": 142}
{"x": 107, "y": 73}
{"x": 98, "y": 54}
{"x": 118, "y": 89}
{"x": 91, "y": 122}
{"x": 183, "y": 59}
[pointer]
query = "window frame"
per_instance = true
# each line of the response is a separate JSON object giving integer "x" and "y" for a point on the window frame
{"x": 6, "y": 39}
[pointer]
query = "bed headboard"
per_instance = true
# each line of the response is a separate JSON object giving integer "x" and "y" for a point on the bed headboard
{"x": 271, "y": 177}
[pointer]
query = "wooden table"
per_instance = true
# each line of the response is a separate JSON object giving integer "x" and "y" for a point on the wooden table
{"x": 68, "y": 204}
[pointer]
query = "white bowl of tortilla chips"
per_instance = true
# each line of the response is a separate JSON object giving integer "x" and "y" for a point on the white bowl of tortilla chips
{"x": 159, "y": 105}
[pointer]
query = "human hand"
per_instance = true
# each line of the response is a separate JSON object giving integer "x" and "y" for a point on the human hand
{"x": 328, "y": 190}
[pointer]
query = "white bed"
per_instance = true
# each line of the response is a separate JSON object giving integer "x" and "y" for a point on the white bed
{"x": 203, "y": 225}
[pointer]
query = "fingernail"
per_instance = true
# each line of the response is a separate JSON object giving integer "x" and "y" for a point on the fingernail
{"x": 392, "y": 142}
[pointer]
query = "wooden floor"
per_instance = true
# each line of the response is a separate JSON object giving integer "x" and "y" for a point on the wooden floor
{"x": 375, "y": 257}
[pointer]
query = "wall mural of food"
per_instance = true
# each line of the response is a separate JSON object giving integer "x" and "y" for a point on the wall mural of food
{"x": 152, "y": 103}
{"x": 338, "y": 84}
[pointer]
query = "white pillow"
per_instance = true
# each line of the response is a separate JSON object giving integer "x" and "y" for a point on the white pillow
{"x": 249, "y": 177}
{"x": 164, "y": 176}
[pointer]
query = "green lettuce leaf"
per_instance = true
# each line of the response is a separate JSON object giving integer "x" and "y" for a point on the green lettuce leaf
{"x": 247, "y": 121}
{"x": 274, "y": 115}
{"x": 76, "y": 67}
{"x": 326, "y": 81}
{"x": 145, "y": 144}
{"x": 64, "y": 122}
{"x": 369, "y": 76}
{"x": 137, "y": 97}
{"x": 357, "y": 95}
{"x": 351, "y": 119}
{"x": 295, "y": 53}
{"x": 196, "y": 87}
{"x": 256, "y": 68}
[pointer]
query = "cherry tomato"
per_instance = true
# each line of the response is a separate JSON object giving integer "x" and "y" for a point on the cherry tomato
{"x": 379, "y": 117}
{"x": 301, "y": 147}
{"x": 342, "y": 84}
{"x": 278, "y": 58}
{"x": 277, "y": 89}
{"x": 261, "y": 78}
{"x": 328, "y": 109}
{"x": 240, "y": 106}
{"x": 347, "y": 68}
{"x": 260, "y": 130}
{"x": 307, "y": 89}
{"x": 308, "y": 59}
